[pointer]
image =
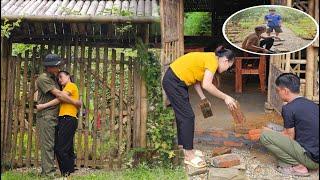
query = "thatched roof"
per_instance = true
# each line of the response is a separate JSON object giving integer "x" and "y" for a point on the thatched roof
{"x": 81, "y": 11}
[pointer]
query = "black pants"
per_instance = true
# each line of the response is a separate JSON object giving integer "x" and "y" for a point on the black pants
{"x": 177, "y": 93}
{"x": 268, "y": 42}
{"x": 64, "y": 150}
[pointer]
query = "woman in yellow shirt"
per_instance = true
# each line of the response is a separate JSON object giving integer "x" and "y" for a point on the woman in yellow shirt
{"x": 67, "y": 124}
{"x": 194, "y": 69}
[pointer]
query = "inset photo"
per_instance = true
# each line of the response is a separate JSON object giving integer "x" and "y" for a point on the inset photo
{"x": 270, "y": 30}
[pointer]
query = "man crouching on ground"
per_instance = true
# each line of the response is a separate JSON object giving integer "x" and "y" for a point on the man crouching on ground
{"x": 255, "y": 42}
{"x": 297, "y": 147}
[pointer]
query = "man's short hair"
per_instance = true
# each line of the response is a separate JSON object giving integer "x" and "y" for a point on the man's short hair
{"x": 260, "y": 28}
{"x": 290, "y": 81}
{"x": 272, "y": 10}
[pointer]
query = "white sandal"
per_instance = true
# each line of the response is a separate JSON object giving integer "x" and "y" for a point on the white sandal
{"x": 198, "y": 153}
{"x": 196, "y": 162}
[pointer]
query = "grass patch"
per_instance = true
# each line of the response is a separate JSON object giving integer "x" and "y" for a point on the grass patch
{"x": 306, "y": 29}
{"x": 140, "y": 173}
{"x": 13, "y": 175}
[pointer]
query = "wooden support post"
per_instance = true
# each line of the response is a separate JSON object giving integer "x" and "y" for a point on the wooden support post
{"x": 310, "y": 60}
{"x": 181, "y": 30}
{"x": 137, "y": 105}
{"x": 144, "y": 99}
{"x": 287, "y": 66}
{"x": 8, "y": 104}
{"x": 309, "y": 72}
{"x": 289, "y": 3}
{"x": 4, "y": 61}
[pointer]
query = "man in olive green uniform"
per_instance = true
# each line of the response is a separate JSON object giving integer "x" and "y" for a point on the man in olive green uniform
{"x": 49, "y": 89}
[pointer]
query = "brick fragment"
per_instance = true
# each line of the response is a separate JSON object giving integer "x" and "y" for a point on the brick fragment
{"x": 254, "y": 137}
{"x": 255, "y": 131}
{"x": 237, "y": 135}
{"x": 220, "y": 151}
{"x": 226, "y": 160}
{"x": 237, "y": 114}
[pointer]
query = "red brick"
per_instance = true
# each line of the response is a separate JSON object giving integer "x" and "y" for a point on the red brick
{"x": 200, "y": 132}
{"x": 241, "y": 129}
{"x": 217, "y": 133}
{"x": 226, "y": 160}
{"x": 232, "y": 143}
{"x": 254, "y": 137}
{"x": 220, "y": 150}
{"x": 255, "y": 131}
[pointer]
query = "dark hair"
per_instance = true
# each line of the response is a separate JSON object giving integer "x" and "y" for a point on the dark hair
{"x": 66, "y": 73}
{"x": 272, "y": 9}
{"x": 223, "y": 52}
{"x": 290, "y": 81}
{"x": 259, "y": 28}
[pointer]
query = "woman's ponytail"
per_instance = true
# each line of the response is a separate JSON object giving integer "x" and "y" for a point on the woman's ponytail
{"x": 223, "y": 52}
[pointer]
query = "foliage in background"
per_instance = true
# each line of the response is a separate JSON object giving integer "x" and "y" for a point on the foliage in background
{"x": 19, "y": 48}
{"x": 197, "y": 23}
{"x": 7, "y": 27}
{"x": 160, "y": 130}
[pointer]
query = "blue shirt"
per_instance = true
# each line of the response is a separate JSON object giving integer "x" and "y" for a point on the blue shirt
{"x": 303, "y": 115}
{"x": 273, "y": 20}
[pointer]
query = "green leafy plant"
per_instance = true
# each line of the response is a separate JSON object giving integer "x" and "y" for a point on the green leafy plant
{"x": 7, "y": 27}
{"x": 197, "y": 23}
{"x": 160, "y": 130}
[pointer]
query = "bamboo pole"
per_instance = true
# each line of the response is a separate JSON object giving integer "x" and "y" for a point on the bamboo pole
{"x": 87, "y": 120}
{"x": 16, "y": 107}
{"x": 121, "y": 107}
{"x": 129, "y": 101}
{"x": 23, "y": 107}
{"x": 104, "y": 85}
{"x": 112, "y": 85}
{"x": 31, "y": 109}
{"x": 81, "y": 89}
{"x": 40, "y": 67}
{"x": 9, "y": 104}
{"x": 68, "y": 56}
{"x": 96, "y": 99}
{"x": 75, "y": 61}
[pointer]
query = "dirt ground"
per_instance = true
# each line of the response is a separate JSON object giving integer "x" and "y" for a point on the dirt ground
{"x": 259, "y": 165}
{"x": 291, "y": 41}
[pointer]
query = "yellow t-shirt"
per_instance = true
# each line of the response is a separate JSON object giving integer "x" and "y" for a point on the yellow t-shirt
{"x": 191, "y": 67}
{"x": 66, "y": 108}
